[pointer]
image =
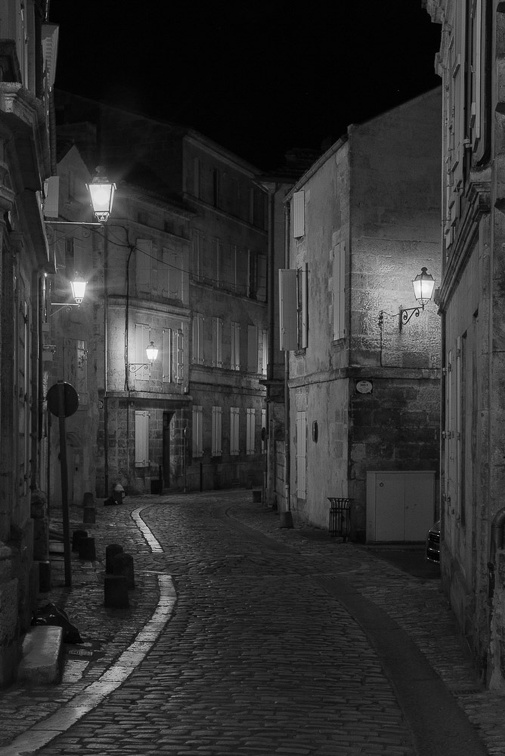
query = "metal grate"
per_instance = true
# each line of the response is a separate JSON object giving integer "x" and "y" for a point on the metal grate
{"x": 340, "y": 517}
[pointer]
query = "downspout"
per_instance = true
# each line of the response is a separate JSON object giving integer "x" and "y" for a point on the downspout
{"x": 286, "y": 517}
{"x": 270, "y": 472}
{"x": 106, "y": 361}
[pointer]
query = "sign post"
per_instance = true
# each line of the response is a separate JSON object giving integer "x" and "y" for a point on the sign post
{"x": 63, "y": 401}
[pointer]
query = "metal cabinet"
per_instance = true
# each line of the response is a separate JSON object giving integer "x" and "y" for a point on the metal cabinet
{"x": 400, "y": 505}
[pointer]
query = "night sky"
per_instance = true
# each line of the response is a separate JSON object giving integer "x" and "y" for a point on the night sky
{"x": 258, "y": 77}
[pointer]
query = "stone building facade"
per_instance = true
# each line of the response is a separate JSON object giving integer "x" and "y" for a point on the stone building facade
{"x": 364, "y": 386}
{"x": 185, "y": 266}
{"x": 472, "y": 305}
{"x": 27, "y": 68}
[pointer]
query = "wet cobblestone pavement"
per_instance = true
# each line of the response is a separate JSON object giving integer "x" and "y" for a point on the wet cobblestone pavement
{"x": 260, "y": 655}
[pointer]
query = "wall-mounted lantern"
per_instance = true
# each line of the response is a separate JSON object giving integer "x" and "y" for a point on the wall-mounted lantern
{"x": 424, "y": 285}
{"x": 78, "y": 286}
{"x": 151, "y": 353}
{"x": 101, "y": 191}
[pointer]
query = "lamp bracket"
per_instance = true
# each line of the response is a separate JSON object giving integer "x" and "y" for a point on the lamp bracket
{"x": 134, "y": 367}
{"x": 71, "y": 223}
{"x": 408, "y": 313}
{"x": 62, "y": 306}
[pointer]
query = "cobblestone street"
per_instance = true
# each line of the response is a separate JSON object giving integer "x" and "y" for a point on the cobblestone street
{"x": 280, "y": 642}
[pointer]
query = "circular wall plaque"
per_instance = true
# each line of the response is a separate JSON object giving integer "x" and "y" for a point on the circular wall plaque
{"x": 364, "y": 387}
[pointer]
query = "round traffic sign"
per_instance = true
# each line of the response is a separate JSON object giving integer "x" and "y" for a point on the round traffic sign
{"x": 70, "y": 399}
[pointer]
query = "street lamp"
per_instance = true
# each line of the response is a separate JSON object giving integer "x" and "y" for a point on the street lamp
{"x": 78, "y": 286}
{"x": 102, "y": 195}
{"x": 423, "y": 285}
{"x": 152, "y": 354}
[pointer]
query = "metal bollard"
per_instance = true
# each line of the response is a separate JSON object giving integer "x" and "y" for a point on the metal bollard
{"x": 87, "y": 549}
{"x": 115, "y": 592}
{"x": 122, "y": 564}
{"x": 77, "y": 535}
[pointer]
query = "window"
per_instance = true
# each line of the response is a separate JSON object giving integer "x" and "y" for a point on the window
{"x": 264, "y": 352}
{"x": 142, "y": 339}
{"x": 197, "y": 435}
{"x": 218, "y": 266}
{"x": 234, "y": 430}
{"x": 179, "y": 356}
{"x": 302, "y": 307}
{"x": 339, "y": 291}
{"x": 141, "y": 439}
{"x": 172, "y": 274}
{"x": 298, "y": 214}
{"x": 263, "y": 431}
{"x": 198, "y": 240}
{"x": 198, "y": 321}
{"x": 288, "y": 325}
{"x": 235, "y": 346}
{"x": 250, "y": 431}
{"x": 217, "y": 435}
{"x": 252, "y": 349}
{"x": 166, "y": 356}
{"x": 301, "y": 454}
{"x": 217, "y": 342}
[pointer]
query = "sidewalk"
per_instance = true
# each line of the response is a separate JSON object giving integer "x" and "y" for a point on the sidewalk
{"x": 416, "y": 605}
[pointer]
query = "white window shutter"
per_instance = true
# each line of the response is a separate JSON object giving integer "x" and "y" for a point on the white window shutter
{"x": 217, "y": 435}
{"x": 301, "y": 454}
{"x": 303, "y": 306}
{"x": 51, "y": 197}
{"x": 180, "y": 356}
{"x": 141, "y": 343}
{"x": 234, "y": 430}
{"x": 288, "y": 315}
{"x": 251, "y": 431}
{"x": 197, "y": 434}
{"x": 298, "y": 214}
{"x": 166, "y": 355}
{"x": 141, "y": 439}
{"x": 252, "y": 349}
{"x": 339, "y": 291}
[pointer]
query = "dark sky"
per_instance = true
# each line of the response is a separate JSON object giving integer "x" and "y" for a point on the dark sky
{"x": 258, "y": 77}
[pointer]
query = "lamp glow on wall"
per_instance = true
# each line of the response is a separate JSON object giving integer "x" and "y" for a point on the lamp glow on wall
{"x": 151, "y": 353}
{"x": 101, "y": 192}
{"x": 424, "y": 285}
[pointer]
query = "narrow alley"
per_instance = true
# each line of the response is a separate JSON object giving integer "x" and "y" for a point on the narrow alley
{"x": 267, "y": 641}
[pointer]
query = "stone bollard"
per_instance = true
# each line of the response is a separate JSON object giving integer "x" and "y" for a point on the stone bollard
{"x": 122, "y": 564}
{"x": 115, "y": 592}
{"x": 110, "y": 552}
{"x": 87, "y": 549}
{"x": 89, "y": 514}
{"x": 77, "y": 535}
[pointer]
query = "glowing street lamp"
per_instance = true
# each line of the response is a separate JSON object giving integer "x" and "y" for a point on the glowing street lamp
{"x": 101, "y": 191}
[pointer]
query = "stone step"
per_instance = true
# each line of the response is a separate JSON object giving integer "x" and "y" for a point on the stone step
{"x": 42, "y": 655}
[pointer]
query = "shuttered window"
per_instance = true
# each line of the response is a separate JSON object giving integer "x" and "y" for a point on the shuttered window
{"x": 301, "y": 454}
{"x": 217, "y": 435}
{"x": 235, "y": 346}
{"x": 141, "y": 439}
{"x": 251, "y": 431}
{"x": 142, "y": 333}
{"x": 143, "y": 265}
{"x": 339, "y": 291}
{"x": 198, "y": 322}
{"x": 217, "y": 342}
{"x": 252, "y": 349}
{"x": 234, "y": 430}
{"x": 288, "y": 310}
{"x": 166, "y": 356}
{"x": 263, "y": 431}
{"x": 298, "y": 214}
{"x": 197, "y": 431}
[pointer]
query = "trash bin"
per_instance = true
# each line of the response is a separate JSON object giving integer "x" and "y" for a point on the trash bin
{"x": 340, "y": 517}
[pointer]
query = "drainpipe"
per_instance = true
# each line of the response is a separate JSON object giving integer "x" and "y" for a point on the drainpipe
{"x": 286, "y": 518}
{"x": 105, "y": 363}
